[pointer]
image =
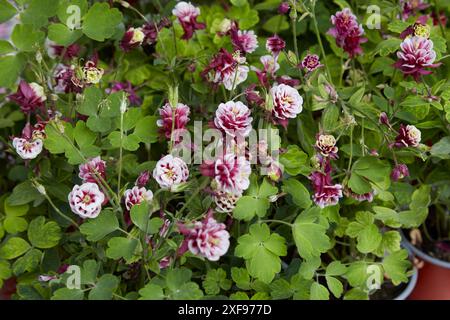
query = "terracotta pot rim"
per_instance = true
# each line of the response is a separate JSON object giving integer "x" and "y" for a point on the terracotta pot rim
{"x": 423, "y": 255}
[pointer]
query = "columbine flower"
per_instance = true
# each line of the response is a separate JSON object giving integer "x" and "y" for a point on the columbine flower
{"x": 143, "y": 178}
{"x": 325, "y": 193}
{"x": 133, "y": 98}
{"x": 275, "y": 45}
{"x": 243, "y": 40}
{"x": 67, "y": 80}
{"x": 151, "y": 29}
{"x": 234, "y": 119}
{"x": 326, "y": 145}
{"x": 27, "y": 148}
{"x": 187, "y": 16}
{"x": 347, "y": 32}
{"x": 416, "y": 54}
{"x": 253, "y": 97}
{"x": 182, "y": 112}
{"x": 383, "y": 119}
{"x": 283, "y": 8}
{"x": 29, "y": 96}
{"x": 170, "y": 172}
{"x": 86, "y": 200}
{"x": 359, "y": 197}
{"x": 231, "y": 174}
{"x": 54, "y": 50}
{"x": 92, "y": 74}
{"x": 399, "y": 172}
{"x": 408, "y": 136}
{"x": 227, "y": 69}
{"x": 287, "y": 103}
{"x": 90, "y": 170}
{"x": 412, "y": 7}
{"x": 132, "y": 38}
{"x": 137, "y": 195}
{"x": 225, "y": 201}
{"x": 207, "y": 238}
{"x": 311, "y": 62}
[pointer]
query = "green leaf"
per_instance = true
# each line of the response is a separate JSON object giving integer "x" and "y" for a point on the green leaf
{"x": 299, "y": 193}
{"x": 147, "y": 130}
{"x": 151, "y": 292}
{"x": 44, "y": 235}
{"x": 104, "y": 288}
{"x": 374, "y": 170}
{"x": 98, "y": 228}
{"x": 335, "y": 286}
{"x": 215, "y": 280}
{"x": 15, "y": 211}
{"x": 281, "y": 289}
{"x": 140, "y": 216}
{"x": 310, "y": 234}
{"x": 261, "y": 251}
{"x": 295, "y": 161}
{"x": 62, "y": 35}
{"x": 319, "y": 292}
{"x": 388, "y": 46}
{"x": 23, "y": 193}
{"x": 188, "y": 291}
{"x": 356, "y": 274}
{"x": 5, "y": 271}
{"x": 89, "y": 272}
{"x": 335, "y": 268}
{"x": 241, "y": 277}
{"x": 100, "y": 22}
{"x": 10, "y": 69}
{"x": 15, "y": 224}
{"x": 6, "y": 47}
{"x": 308, "y": 268}
{"x": 120, "y": 247}
{"x": 365, "y": 231}
{"x": 175, "y": 278}
{"x": 330, "y": 118}
{"x": 356, "y": 294}
{"x": 26, "y": 38}
{"x": 441, "y": 149}
{"x": 28, "y": 263}
{"x": 14, "y": 247}
{"x": 7, "y": 11}
{"x": 68, "y": 294}
{"x": 395, "y": 265}
{"x": 67, "y": 11}
{"x": 276, "y": 24}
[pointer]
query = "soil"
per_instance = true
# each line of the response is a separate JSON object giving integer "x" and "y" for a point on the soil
{"x": 388, "y": 291}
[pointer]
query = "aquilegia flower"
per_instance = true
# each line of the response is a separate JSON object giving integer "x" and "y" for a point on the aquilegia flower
{"x": 231, "y": 173}
{"x": 137, "y": 195}
{"x": 27, "y": 148}
{"x": 311, "y": 62}
{"x": 86, "y": 200}
{"x": 326, "y": 145}
{"x": 287, "y": 103}
{"x": 415, "y": 55}
{"x": 275, "y": 45}
{"x": 408, "y": 136}
{"x": 170, "y": 172}
{"x": 399, "y": 172}
{"x": 91, "y": 73}
{"x": 243, "y": 40}
{"x": 325, "y": 192}
{"x": 187, "y": 16}
{"x": 182, "y": 112}
{"x": 132, "y": 38}
{"x": 66, "y": 79}
{"x": 143, "y": 178}
{"x": 359, "y": 197}
{"x": 69, "y": 52}
{"x": 207, "y": 238}
{"x": 151, "y": 29}
{"x": 234, "y": 119}
{"x": 29, "y": 96}
{"x": 412, "y": 7}
{"x": 347, "y": 32}
{"x": 225, "y": 201}
{"x": 133, "y": 98}
{"x": 91, "y": 170}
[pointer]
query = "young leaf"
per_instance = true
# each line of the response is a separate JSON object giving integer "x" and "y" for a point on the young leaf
{"x": 98, "y": 228}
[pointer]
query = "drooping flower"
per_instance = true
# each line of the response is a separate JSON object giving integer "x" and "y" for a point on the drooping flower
{"x": 412, "y": 7}
{"x": 311, "y": 62}
{"x": 415, "y": 55}
{"x": 225, "y": 201}
{"x": 275, "y": 45}
{"x": 69, "y": 52}
{"x": 91, "y": 73}
{"x": 359, "y": 197}
{"x": 326, "y": 145}
{"x": 252, "y": 96}
{"x": 182, "y": 112}
{"x": 408, "y": 136}
{"x": 287, "y": 103}
{"x": 133, "y": 98}
{"x": 347, "y": 32}
{"x": 29, "y": 96}
{"x": 137, "y": 195}
{"x": 143, "y": 178}
{"x": 243, "y": 40}
{"x": 399, "y": 172}
{"x": 132, "y": 38}
{"x": 384, "y": 120}
{"x": 152, "y": 29}
{"x": 67, "y": 80}
{"x": 187, "y": 16}
{"x": 170, "y": 172}
{"x": 86, "y": 200}
{"x": 226, "y": 69}
{"x": 231, "y": 173}
{"x": 234, "y": 119}
{"x": 92, "y": 170}
{"x": 325, "y": 192}
{"x": 207, "y": 238}
{"x": 27, "y": 148}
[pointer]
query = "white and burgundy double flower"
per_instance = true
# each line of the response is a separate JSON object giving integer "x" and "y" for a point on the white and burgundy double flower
{"x": 287, "y": 103}
{"x": 325, "y": 192}
{"x": 326, "y": 146}
{"x": 275, "y": 45}
{"x": 399, "y": 172}
{"x": 244, "y": 41}
{"x": 30, "y": 144}
{"x": 181, "y": 116}
{"x": 137, "y": 195}
{"x": 29, "y": 96}
{"x": 408, "y": 136}
{"x": 132, "y": 38}
{"x": 231, "y": 173}
{"x": 86, "y": 200}
{"x": 234, "y": 119}
{"x": 415, "y": 55}
{"x": 311, "y": 62}
{"x": 187, "y": 16}
{"x": 92, "y": 170}
{"x": 170, "y": 172}
{"x": 207, "y": 238}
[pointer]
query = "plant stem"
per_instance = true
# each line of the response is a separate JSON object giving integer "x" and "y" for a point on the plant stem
{"x": 120, "y": 155}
